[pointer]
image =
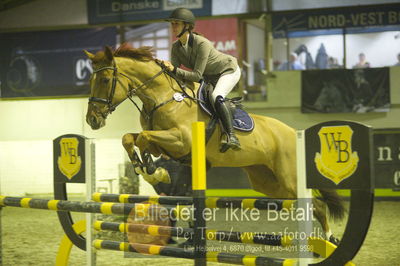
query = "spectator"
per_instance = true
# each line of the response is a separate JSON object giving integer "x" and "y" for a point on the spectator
{"x": 361, "y": 92}
{"x": 398, "y": 60}
{"x": 276, "y": 64}
{"x": 362, "y": 63}
{"x": 321, "y": 60}
{"x": 293, "y": 63}
{"x": 333, "y": 62}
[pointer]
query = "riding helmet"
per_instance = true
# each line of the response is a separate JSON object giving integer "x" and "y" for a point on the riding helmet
{"x": 182, "y": 14}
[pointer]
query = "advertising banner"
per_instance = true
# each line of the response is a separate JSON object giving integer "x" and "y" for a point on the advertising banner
{"x": 49, "y": 63}
{"x": 223, "y": 33}
{"x": 345, "y": 90}
{"x": 366, "y": 16}
{"x": 111, "y": 11}
{"x": 387, "y": 158}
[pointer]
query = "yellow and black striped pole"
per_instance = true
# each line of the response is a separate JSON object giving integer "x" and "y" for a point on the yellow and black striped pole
{"x": 211, "y": 202}
{"x": 87, "y": 207}
{"x": 68, "y": 206}
{"x": 199, "y": 191}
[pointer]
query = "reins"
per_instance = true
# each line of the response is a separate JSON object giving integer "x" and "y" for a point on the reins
{"x": 131, "y": 92}
{"x": 182, "y": 87}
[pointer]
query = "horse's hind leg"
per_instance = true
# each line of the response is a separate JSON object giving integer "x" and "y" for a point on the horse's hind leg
{"x": 331, "y": 201}
{"x": 320, "y": 213}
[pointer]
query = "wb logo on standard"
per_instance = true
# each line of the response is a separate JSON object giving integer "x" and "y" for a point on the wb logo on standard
{"x": 69, "y": 162}
{"x": 336, "y": 160}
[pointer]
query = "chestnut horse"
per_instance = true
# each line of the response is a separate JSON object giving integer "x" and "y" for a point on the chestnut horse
{"x": 268, "y": 153}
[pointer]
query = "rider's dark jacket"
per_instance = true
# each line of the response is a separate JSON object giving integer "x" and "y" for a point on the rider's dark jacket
{"x": 202, "y": 58}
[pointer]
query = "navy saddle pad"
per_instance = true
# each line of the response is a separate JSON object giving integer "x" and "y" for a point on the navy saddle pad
{"x": 241, "y": 119}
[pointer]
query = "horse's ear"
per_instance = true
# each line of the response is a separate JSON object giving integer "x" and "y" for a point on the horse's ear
{"x": 109, "y": 53}
{"x": 89, "y": 55}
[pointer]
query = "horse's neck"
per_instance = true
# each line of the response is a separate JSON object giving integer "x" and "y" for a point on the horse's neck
{"x": 152, "y": 92}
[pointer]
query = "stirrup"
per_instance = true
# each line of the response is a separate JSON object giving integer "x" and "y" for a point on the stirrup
{"x": 229, "y": 142}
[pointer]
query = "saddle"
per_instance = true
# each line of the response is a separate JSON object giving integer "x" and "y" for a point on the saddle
{"x": 242, "y": 121}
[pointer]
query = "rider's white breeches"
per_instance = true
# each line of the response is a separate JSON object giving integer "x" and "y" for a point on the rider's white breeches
{"x": 226, "y": 83}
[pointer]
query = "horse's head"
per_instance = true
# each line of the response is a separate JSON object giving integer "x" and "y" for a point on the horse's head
{"x": 108, "y": 87}
{"x": 119, "y": 75}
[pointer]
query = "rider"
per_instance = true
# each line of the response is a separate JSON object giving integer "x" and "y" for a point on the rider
{"x": 197, "y": 53}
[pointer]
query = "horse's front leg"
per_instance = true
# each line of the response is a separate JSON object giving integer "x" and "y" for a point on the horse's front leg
{"x": 142, "y": 165}
{"x": 152, "y": 142}
{"x": 157, "y": 141}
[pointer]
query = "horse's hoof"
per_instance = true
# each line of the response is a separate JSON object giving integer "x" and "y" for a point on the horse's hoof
{"x": 162, "y": 175}
{"x": 149, "y": 178}
{"x": 149, "y": 163}
{"x": 334, "y": 240}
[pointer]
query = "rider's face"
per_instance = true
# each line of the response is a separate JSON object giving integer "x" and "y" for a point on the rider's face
{"x": 177, "y": 27}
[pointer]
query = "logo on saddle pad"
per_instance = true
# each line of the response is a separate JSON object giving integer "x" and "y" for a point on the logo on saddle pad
{"x": 69, "y": 162}
{"x": 336, "y": 161}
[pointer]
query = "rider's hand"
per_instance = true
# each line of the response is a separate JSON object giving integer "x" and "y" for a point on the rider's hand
{"x": 167, "y": 64}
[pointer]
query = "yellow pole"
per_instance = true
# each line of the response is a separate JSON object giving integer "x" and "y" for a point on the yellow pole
{"x": 198, "y": 156}
{"x": 199, "y": 192}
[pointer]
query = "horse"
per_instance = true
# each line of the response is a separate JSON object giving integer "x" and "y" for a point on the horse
{"x": 332, "y": 99}
{"x": 268, "y": 152}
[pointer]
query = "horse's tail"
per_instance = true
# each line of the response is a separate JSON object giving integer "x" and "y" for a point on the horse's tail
{"x": 334, "y": 202}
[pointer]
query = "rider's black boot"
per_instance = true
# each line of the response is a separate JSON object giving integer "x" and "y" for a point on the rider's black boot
{"x": 225, "y": 115}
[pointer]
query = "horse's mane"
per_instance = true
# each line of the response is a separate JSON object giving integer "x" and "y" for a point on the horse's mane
{"x": 144, "y": 53}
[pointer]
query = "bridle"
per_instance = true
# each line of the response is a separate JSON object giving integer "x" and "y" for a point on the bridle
{"x": 132, "y": 91}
